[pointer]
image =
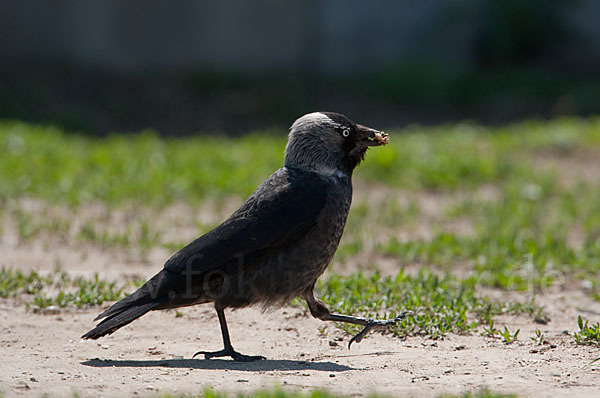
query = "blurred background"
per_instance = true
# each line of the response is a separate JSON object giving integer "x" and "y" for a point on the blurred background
{"x": 208, "y": 66}
{"x": 483, "y": 208}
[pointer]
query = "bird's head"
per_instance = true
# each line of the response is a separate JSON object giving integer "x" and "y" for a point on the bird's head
{"x": 328, "y": 143}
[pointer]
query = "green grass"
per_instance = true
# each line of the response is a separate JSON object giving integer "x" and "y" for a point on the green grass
{"x": 440, "y": 304}
{"x": 13, "y": 282}
{"x": 30, "y": 225}
{"x": 506, "y": 336}
{"x": 588, "y": 334}
{"x": 59, "y": 289}
{"x": 47, "y": 163}
{"x": 280, "y": 393}
{"x": 466, "y": 156}
{"x": 89, "y": 233}
{"x": 520, "y": 238}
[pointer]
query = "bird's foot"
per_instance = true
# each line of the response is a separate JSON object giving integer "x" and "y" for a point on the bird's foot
{"x": 229, "y": 353}
{"x": 377, "y": 323}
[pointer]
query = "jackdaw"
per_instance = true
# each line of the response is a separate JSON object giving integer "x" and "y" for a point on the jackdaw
{"x": 276, "y": 245}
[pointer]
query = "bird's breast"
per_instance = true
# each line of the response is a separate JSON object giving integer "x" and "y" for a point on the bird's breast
{"x": 305, "y": 262}
{"x": 332, "y": 220}
{"x": 292, "y": 271}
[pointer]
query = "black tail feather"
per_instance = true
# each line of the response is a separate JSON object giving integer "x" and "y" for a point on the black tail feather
{"x": 118, "y": 320}
{"x": 120, "y": 306}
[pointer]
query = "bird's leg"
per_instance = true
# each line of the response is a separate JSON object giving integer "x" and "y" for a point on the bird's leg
{"x": 320, "y": 311}
{"x": 228, "y": 351}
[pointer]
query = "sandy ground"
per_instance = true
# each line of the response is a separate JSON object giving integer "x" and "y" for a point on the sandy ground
{"x": 43, "y": 354}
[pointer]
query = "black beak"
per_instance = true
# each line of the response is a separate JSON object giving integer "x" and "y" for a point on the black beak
{"x": 371, "y": 137}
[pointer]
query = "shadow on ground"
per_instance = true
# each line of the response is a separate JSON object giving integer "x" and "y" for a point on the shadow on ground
{"x": 220, "y": 364}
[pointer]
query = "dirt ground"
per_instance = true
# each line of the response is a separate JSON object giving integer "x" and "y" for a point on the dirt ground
{"x": 43, "y": 354}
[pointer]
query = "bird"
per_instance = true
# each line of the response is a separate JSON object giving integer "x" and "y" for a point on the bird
{"x": 275, "y": 246}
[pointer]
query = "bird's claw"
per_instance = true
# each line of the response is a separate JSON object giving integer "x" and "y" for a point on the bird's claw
{"x": 236, "y": 356}
{"x": 358, "y": 338}
{"x": 375, "y": 323}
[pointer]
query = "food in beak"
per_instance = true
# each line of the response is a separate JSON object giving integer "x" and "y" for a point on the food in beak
{"x": 381, "y": 138}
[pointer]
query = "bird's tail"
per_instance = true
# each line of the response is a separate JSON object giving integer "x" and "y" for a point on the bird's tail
{"x": 123, "y": 312}
{"x": 119, "y": 319}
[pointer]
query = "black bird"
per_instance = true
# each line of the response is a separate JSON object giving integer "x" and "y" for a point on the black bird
{"x": 276, "y": 245}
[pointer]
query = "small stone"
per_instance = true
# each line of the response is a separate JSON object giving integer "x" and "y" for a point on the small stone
{"x": 33, "y": 379}
{"x": 460, "y": 347}
{"x": 331, "y": 375}
{"x": 51, "y": 310}
{"x": 105, "y": 347}
{"x": 150, "y": 387}
{"x": 333, "y": 343}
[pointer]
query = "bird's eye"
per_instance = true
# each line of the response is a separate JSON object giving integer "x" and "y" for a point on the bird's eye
{"x": 346, "y": 133}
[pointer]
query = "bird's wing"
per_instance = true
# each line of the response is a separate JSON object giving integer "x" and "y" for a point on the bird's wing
{"x": 281, "y": 210}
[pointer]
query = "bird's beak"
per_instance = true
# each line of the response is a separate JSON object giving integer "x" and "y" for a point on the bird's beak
{"x": 371, "y": 137}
